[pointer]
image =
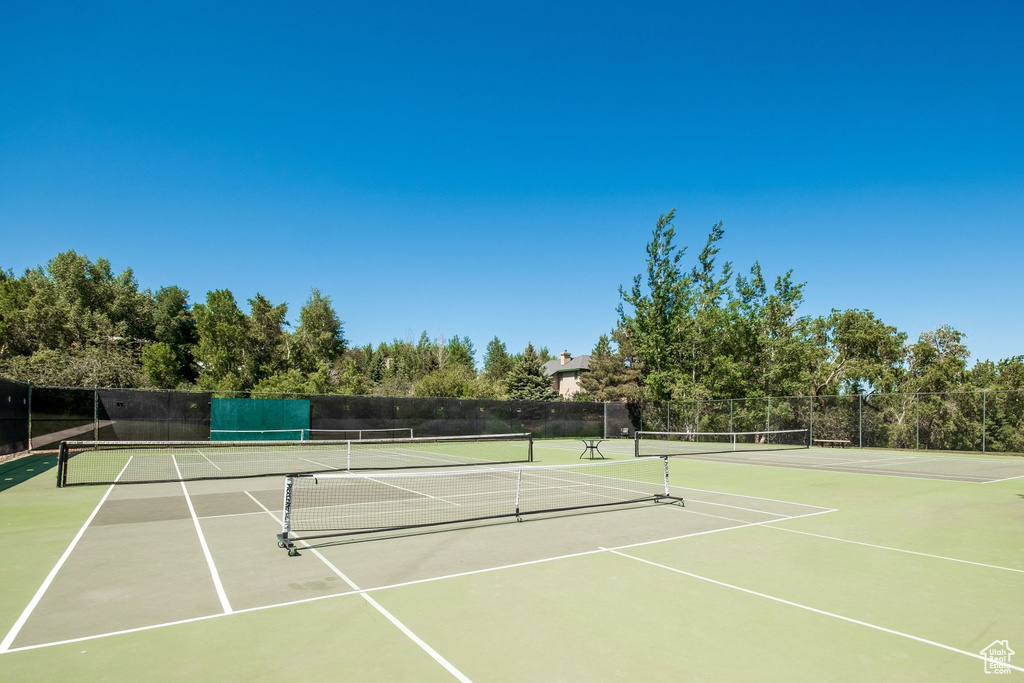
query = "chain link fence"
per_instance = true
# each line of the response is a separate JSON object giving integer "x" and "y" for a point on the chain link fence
{"x": 986, "y": 421}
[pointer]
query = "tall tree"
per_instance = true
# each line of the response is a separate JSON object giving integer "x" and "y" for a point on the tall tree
{"x": 223, "y": 334}
{"x": 526, "y": 381}
{"x": 853, "y": 351}
{"x": 610, "y": 377}
{"x": 658, "y": 310}
{"x": 174, "y": 326}
{"x": 460, "y": 354}
{"x": 497, "y": 362}
{"x": 770, "y": 340}
{"x": 319, "y": 338}
{"x": 265, "y": 350}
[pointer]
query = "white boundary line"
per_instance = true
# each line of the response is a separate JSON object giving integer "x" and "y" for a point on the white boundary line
{"x": 955, "y": 478}
{"x": 740, "y": 495}
{"x": 404, "y": 584}
{"x": 735, "y": 507}
{"x": 996, "y": 481}
{"x": 205, "y": 458}
{"x": 5, "y": 645}
{"x": 897, "y": 550}
{"x": 225, "y": 605}
{"x": 810, "y": 609}
{"x": 434, "y": 654}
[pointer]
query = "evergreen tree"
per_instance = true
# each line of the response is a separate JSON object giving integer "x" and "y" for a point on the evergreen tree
{"x": 319, "y": 338}
{"x": 526, "y": 381}
{"x": 497, "y": 362}
{"x": 610, "y": 378}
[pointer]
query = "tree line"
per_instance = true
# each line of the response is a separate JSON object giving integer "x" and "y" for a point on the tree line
{"x": 75, "y": 322}
{"x": 686, "y": 329}
{"x": 708, "y": 332}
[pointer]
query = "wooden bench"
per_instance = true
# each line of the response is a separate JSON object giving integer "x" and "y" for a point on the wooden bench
{"x": 833, "y": 443}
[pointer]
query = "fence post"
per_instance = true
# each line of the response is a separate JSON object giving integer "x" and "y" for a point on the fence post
{"x": 768, "y": 419}
{"x": 810, "y": 413}
{"x": 917, "y": 421}
{"x": 732, "y": 427}
{"x": 860, "y": 420}
{"x": 984, "y": 406}
{"x": 30, "y": 416}
{"x": 96, "y": 412}
{"x": 668, "y": 415}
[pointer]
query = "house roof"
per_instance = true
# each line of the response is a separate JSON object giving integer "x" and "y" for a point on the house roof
{"x": 552, "y": 367}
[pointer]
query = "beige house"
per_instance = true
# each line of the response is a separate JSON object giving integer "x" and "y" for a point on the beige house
{"x": 565, "y": 373}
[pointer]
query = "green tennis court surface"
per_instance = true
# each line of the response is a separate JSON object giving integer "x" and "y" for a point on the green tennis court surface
{"x": 775, "y": 569}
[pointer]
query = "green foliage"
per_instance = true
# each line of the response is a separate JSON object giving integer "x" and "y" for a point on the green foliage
{"x": 291, "y": 381}
{"x": 161, "y": 366}
{"x": 526, "y": 381}
{"x": 174, "y": 325}
{"x": 319, "y": 339}
{"x": 611, "y": 378}
{"x": 497, "y": 362}
{"x": 265, "y": 350}
{"x": 223, "y": 333}
{"x": 459, "y": 353}
{"x": 453, "y": 381}
{"x": 852, "y": 351}
{"x": 107, "y": 365}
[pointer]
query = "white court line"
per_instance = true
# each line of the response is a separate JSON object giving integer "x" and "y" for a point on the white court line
{"x": 736, "y": 507}
{"x": 873, "y": 461}
{"x": 715, "y": 531}
{"x": 810, "y": 609}
{"x": 907, "y": 474}
{"x": 898, "y": 550}
{"x": 225, "y": 605}
{"x": 320, "y": 464}
{"x": 205, "y": 458}
{"x": 994, "y": 481}
{"x": 413, "y": 491}
{"x": 434, "y": 654}
{"x": 5, "y": 645}
{"x": 404, "y": 584}
{"x": 740, "y": 495}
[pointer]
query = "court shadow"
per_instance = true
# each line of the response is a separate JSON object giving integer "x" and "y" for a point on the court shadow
{"x": 20, "y": 470}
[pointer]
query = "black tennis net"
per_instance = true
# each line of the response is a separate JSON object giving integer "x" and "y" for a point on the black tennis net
{"x": 328, "y": 505}
{"x": 648, "y": 444}
{"x": 128, "y": 462}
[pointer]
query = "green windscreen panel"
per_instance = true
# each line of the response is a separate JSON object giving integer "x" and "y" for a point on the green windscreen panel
{"x": 258, "y": 419}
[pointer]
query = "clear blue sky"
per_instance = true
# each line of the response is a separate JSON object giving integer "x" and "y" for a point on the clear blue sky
{"x": 481, "y": 170}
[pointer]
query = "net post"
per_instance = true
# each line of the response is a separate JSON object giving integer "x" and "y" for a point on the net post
{"x": 529, "y": 455}
{"x": 30, "y": 416}
{"x": 519, "y": 486}
{"x": 62, "y": 464}
{"x": 284, "y": 538}
{"x": 667, "y": 490}
{"x": 636, "y": 444}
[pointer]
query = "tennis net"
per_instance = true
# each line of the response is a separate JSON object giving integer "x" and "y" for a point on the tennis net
{"x": 357, "y": 434}
{"x": 258, "y": 435}
{"x": 109, "y": 462}
{"x": 329, "y": 505}
{"x": 696, "y": 443}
